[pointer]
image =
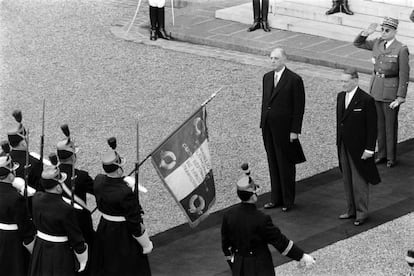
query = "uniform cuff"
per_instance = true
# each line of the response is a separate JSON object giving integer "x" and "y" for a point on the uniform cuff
{"x": 293, "y": 251}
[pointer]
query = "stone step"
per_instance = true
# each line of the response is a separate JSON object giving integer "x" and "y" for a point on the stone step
{"x": 402, "y": 12}
{"x": 243, "y": 14}
{"x": 361, "y": 21}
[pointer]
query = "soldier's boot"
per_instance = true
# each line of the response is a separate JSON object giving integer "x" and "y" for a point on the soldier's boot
{"x": 345, "y": 7}
{"x": 256, "y": 16}
{"x": 153, "y": 21}
{"x": 336, "y": 7}
{"x": 265, "y": 11}
{"x": 161, "y": 25}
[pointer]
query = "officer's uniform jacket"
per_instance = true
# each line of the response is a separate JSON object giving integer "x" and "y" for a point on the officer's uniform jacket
{"x": 246, "y": 233}
{"x": 391, "y": 68}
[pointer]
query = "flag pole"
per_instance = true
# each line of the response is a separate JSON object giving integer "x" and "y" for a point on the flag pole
{"x": 172, "y": 11}
{"x": 135, "y": 16}
{"x": 172, "y": 133}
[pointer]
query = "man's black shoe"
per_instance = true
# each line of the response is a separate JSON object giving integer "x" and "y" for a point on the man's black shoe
{"x": 265, "y": 26}
{"x": 255, "y": 26}
{"x": 163, "y": 34}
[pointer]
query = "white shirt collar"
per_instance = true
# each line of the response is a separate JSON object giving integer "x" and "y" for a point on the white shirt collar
{"x": 389, "y": 43}
{"x": 352, "y": 93}
{"x": 280, "y": 72}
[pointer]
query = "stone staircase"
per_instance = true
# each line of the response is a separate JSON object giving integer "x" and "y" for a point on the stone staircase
{"x": 308, "y": 16}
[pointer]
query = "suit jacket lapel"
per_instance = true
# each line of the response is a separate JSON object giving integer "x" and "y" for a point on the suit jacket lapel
{"x": 341, "y": 105}
{"x": 282, "y": 82}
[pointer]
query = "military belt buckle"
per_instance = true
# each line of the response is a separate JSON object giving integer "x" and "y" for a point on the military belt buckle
{"x": 380, "y": 75}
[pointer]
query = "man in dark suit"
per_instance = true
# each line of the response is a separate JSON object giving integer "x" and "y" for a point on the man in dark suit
{"x": 356, "y": 137}
{"x": 283, "y": 106}
{"x": 246, "y": 233}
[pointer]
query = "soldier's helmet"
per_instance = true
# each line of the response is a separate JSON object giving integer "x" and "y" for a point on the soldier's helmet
{"x": 111, "y": 160}
{"x": 66, "y": 148}
{"x": 51, "y": 176}
{"x": 390, "y": 22}
{"x": 246, "y": 187}
{"x": 17, "y": 133}
{"x": 7, "y": 165}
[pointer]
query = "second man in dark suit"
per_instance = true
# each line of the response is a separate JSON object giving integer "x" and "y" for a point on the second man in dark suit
{"x": 283, "y": 106}
{"x": 356, "y": 137}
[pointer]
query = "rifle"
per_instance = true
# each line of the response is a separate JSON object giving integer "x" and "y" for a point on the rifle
{"x": 42, "y": 138}
{"x": 137, "y": 168}
{"x": 65, "y": 130}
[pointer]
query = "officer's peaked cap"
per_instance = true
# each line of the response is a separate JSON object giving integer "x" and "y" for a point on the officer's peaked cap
{"x": 390, "y": 22}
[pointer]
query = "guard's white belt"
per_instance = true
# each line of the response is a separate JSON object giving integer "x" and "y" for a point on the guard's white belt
{"x": 8, "y": 227}
{"x": 113, "y": 218}
{"x": 51, "y": 238}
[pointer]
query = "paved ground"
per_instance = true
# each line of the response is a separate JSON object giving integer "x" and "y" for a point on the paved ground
{"x": 195, "y": 23}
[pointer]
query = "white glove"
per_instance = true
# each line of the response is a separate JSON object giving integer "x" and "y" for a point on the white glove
{"x": 82, "y": 259}
{"x": 30, "y": 246}
{"x": 145, "y": 242}
{"x": 306, "y": 261}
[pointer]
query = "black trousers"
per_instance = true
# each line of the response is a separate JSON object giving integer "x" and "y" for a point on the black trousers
{"x": 260, "y": 14}
{"x": 282, "y": 171}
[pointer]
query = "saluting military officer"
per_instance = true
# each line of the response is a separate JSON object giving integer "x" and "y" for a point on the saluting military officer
{"x": 59, "y": 238}
{"x": 388, "y": 84}
{"x": 122, "y": 242}
{"x": 16, "y": 228}
{"x": 246, "y": 233}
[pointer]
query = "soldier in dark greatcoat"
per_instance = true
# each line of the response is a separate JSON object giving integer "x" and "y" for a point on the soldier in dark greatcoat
{"x": 83, "y": 184}
{"x": 16, "y": 228}
{"x": 122, "y": 242}
{"x": 60, "y": 249}
{"x": 246, "y": 233}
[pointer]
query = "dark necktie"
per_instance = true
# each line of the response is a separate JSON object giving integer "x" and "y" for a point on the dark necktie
{"x": 385, "y": 45}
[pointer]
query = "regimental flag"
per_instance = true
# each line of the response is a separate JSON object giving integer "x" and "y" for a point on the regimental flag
{"x": 184, "y": 164}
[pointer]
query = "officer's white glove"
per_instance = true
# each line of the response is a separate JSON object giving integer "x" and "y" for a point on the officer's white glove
{"x": 306, "y": 261}
{"x": 145, "y": 242}
{"x": 29, "y": 246}
{"x": 82, "y": 259}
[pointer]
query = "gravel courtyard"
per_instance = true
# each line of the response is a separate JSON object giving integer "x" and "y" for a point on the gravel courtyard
{"x": 63, "y": 52}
